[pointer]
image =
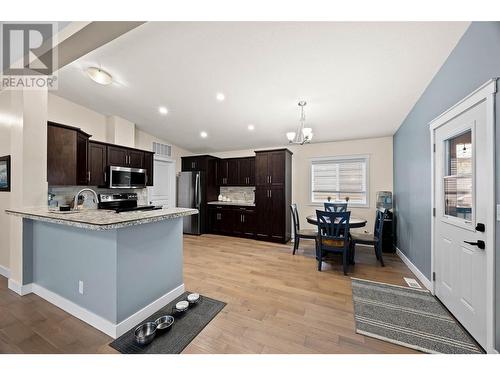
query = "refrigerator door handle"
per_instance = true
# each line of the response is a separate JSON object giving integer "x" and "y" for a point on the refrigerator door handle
{"x": 197, "y": 191}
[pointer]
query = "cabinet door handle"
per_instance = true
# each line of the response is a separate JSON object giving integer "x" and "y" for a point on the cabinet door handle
{"x": 270, "y": 179}
{"x": 88, "y": 176}
{"x": 270, "y": 193}
{"x": 243, "y": 218}
{"x": 105, "y": 177}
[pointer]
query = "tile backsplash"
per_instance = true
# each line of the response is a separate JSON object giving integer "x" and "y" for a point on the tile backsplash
{"x": 239, "y": 193}
{"x": 65, "y": 194}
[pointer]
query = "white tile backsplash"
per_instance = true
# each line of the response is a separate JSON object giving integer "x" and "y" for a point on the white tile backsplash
{"x": 66, "y": 194}
{"x": 239, "y": 193}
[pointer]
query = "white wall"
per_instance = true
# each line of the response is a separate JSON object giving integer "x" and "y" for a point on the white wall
{"x": 66, "y": 112}
{"x": 112, "y": 129}
{"x": 120, "y": 131}
{"x": 5, "y": 125}
{"x": 379, "y": 149}
{"x": 145, "y": 141}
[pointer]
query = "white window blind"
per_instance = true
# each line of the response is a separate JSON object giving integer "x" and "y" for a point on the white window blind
{"x": 338, "y": 178}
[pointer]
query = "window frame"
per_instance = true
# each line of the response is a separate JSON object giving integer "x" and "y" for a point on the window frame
{"x": 364, "y": 157}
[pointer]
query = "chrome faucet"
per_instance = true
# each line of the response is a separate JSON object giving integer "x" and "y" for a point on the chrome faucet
{"x": 75, "y": 203}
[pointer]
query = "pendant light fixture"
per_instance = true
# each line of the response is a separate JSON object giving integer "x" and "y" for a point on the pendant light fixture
{"x": 302, "y": 135}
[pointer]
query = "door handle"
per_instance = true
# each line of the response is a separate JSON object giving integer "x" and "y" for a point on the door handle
{"x": 480, "y": 227}
{"x": 480, "y": 244}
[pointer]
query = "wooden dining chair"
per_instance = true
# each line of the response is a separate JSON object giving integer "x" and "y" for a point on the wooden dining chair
{"x": 374, "y": 239}
{"x": 333, "y": 236}
{"x": 335, "y": 207}
{"x": 298, "y": 233}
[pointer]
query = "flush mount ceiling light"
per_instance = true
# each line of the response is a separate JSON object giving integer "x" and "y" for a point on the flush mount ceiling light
{"x": 251, "y": 127}
{"x": 220, "y": 97}
{"x": 99, "y": 76}
{"x": 163, "y": 110}
{"x": 303, "y": 134}
{"x": 203, "y": 135}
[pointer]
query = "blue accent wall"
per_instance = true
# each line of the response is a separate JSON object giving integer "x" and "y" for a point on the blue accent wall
{"x": 475, "y": 60}
{"x": 123, "y": 270}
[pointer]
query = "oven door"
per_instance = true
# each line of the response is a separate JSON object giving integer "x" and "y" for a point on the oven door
{"x": 123, "y": 178}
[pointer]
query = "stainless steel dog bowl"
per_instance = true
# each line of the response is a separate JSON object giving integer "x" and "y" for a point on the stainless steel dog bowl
{"x": 145, "y": 333}
{"x": 164, "y": 322}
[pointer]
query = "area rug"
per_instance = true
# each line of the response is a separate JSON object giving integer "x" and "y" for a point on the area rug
{"x": 409, "y": 317}
{"x": 186, "y": 327}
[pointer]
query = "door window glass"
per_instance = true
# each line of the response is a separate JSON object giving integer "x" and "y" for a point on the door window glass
{"x": 458, "y": 197}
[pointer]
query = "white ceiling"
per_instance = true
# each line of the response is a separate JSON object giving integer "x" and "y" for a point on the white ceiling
{"x": 360, "y": 79}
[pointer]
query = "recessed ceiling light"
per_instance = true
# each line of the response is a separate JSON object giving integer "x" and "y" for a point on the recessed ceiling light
{"x": 220, "y": 97}
{"x": 163, "y": 110}
{"x": 99, "y": 76}
{"x": 251, "y": 127}
{"x": 203, "y": 135}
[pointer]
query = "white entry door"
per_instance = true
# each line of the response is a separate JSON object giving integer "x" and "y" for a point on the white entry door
{"x": 163, "y": 191}
{"x": 461, "y": 194}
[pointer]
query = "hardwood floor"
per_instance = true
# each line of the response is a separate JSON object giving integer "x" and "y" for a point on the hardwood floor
{"x": 276, "y": 303}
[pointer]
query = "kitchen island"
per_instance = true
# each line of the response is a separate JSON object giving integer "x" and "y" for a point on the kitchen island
{"x": 111, "y": 270}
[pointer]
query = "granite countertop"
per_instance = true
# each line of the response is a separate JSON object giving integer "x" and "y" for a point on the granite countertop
{"x": 232, "y": 203}
{"x": 94, "y": 219}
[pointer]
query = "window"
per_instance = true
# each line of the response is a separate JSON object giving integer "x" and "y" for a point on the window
{"x": 338, "y": 178}
{"x": 458, "y": 193}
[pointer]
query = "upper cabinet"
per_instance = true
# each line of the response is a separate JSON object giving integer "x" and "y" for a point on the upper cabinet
{"x": 97, "y": 164}
{"x": 196, "y": 163}
{"x": 246, "y": 171}
{"x": 125, "y": 157}
{"x": 67, "y": 149}
{"x": 270, "y": 167}
{"x": 72, "y": 159}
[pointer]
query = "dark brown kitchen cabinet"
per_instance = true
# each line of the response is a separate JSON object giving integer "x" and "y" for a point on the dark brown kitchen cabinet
{"x": 117, "y": 156}
{"x": 271, "y": 167}
{"x": 125, "y": 157}
{"x": 227, "y": 172}
{"x": 246, "y": 171}
{"x": 273, "y": 194}
{"x": 67, "y": 149}
{"x": 97, "y": 163}
{"x": 149, "y": 165}
{"x": 232, "y": 220}
{"x": 244, "y": 222}
{"x": 196, "y": 163}
{"x": 221, "y": 220}
{"x": 136, "y": 159}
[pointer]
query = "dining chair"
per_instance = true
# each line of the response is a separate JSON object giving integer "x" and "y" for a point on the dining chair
{"x": 374, "y": 239}
{"x": 335, "y": 207}
{"x": 333, "y": 236}
{"x": 298, "y": 233}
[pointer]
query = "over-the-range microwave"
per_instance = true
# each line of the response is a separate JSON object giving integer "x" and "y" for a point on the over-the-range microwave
{"x": 127, "y": 178}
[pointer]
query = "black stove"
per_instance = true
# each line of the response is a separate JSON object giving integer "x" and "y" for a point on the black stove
{"x": 122, "y": 202}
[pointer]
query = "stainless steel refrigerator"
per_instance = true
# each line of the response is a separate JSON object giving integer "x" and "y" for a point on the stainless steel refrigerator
{"x": 191, "y": 194}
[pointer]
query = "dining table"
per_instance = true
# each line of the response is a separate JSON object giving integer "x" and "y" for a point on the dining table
{"x": 353, "y": 221}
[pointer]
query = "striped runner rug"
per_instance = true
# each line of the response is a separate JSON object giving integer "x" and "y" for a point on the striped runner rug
{"x": 409, "y": 317}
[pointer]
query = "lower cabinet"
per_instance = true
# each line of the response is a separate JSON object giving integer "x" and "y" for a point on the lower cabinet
{"x": 232, "y": 220}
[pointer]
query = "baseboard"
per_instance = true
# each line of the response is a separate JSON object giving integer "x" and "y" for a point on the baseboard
{"x": 142, "y": 314}
{"x": 22, "y": 290}
{"x": 424, "y": 280}
{"x": 109, "y": 328}
{"x": 4, "y": 271}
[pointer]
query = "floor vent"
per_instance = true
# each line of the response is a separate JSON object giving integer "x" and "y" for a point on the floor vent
{"x": 162, "y": 149}
{"x": 412, "y": 283}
